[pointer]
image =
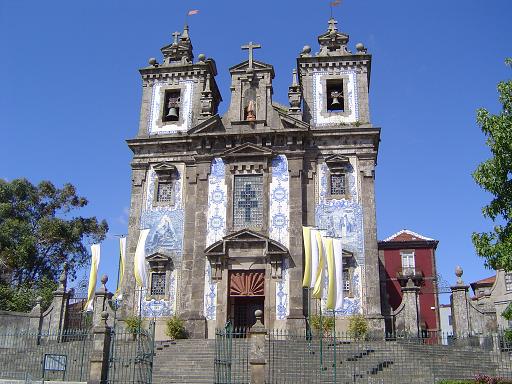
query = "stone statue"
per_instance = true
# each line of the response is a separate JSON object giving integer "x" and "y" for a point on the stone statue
{"x": 251, "y": 110}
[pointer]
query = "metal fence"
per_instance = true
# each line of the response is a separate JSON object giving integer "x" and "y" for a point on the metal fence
{"x": 45, "y": 356}
{"x": 131, "y": 356}
{"x": 296, "y": 357}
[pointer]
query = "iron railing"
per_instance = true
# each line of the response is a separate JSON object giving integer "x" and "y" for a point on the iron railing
{"x": 231, "y": 355}
{"x": 61, "y": 355}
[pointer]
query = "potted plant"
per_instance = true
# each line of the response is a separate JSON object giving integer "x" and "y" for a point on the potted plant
{"x": 358, "y": 327}
{"x": 133, "y": 325}
{"x": 321, "y": 325}
{"x": 175, "y": 328}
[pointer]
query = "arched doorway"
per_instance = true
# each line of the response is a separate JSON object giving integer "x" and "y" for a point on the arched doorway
{"x": 246, "y": 295}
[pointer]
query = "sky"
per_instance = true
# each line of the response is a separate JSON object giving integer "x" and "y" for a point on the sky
{"x": 70, "y": 96}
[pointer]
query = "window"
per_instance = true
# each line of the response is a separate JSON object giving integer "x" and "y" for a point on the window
{"x": 158, "y": 284}
{"x": 508, "y": 281}
{"x": 335, "y": 97}
{"x": 408, "y": 263}
{"x": 338, "y": 184}
{"x": 165, "y": 192}
{"x": 449, "y": 319}
{"x": 172, "y": 104}
{"x": 248, "y": 201}
{"x": 346, "y": 281}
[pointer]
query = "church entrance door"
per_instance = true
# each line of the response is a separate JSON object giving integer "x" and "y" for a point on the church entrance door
{"x": 246, "y": 295}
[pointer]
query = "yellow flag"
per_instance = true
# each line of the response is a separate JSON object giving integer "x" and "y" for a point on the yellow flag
{"x": 122, "y": 258}
{"x": 317, "y": 290}
{"x": 306, "y": 234}
{"x": 140, "y": 260}
{"x": 331, "y": 274}
{"x": 93, "y": 275}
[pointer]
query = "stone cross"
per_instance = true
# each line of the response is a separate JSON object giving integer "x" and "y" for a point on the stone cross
{"x": 248, "y": 201}
{"x": 332, "y": 25}
{"x": 176, "y": 35}
{"x": 251, "y": 47}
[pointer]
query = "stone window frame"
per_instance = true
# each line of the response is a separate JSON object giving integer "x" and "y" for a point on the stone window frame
{"x": 338, "y": 165}
{"x": 151, "y": 275}
{"x": 325, "y": 113}
{"x": 160, "y": 263}
{"x": 408, "y": 252}
{"x": 346, "y": 195}
{"x": 349, "y": 265}
{"x": 164, "y": 90}
{"x": 167, "y": 173}
{"x": 508, "y": 281}
{"x": 263, "y": 201}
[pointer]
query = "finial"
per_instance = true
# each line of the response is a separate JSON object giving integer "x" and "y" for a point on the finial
{"x": 104, "y": 279}
{"x": 294, "y": 78}
{"x": 251, "y": 47}
{"x": 175, "y": 35}
{"x": 152, "y": 61}
{"x": 184, "y": 35}
{"x": 201, "y": 57}
{"x": 459, "y": 272}
{"x": 332, "y": 25}
{"x": 104, "y": 315}
{"x": 361, "y": 48}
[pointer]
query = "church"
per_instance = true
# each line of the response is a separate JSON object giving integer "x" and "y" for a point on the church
{"x": 225, "y": 197}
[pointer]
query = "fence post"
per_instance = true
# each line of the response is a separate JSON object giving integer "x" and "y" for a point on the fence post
{"x": 257, "y": 360}
{"x": 59, "y": 304}
{"x": 100, "y": 354}
{"x": 410, "y": 298}
{"x": 460, "y": 306}
{"x": 36, "y": 317}
{"x": 101, "y": 297}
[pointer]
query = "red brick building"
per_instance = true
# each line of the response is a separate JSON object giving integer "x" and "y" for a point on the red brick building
{"x": 405, "y": 255}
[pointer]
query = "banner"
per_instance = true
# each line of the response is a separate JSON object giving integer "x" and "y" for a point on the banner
{"x": 306, "y": 235}
{"x": 319, "y": 276}
{"x": 338, "y": 261}
{"x": 122, "y": 259}
{"x": 141, "y": 276}
{"x": 314, "y": 257}
{"x": 93, "y": 275}
{"x": 331, "y": 275}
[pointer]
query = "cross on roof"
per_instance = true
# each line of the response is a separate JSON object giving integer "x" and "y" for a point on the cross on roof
{"x": 251, "y": 47}
{"x": 176, "y": 35}
{"x": 332, "y": 24}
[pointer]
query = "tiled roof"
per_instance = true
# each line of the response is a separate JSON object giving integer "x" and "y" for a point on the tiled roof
{"x": 406, "y": 235}
{"x": 487, "y": 281}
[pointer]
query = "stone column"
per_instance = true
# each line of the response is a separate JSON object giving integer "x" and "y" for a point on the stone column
{"x": 36, "y": 317}
{"x": 411, "y": 308}
{"x": 98, "y": 372}
{"x": 101, "y": 297}
{"x": 257, "y": 354}
{"x": 59, "y": 305}
{"x": 371, "y": 253}
{"x": 296, "y": 319}
{"x": 460, "y": 306}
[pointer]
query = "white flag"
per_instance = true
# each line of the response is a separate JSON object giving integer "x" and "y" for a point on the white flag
{"x": 122, "y": 259}
{"x": 314, "y": 257}
{"x": 93, "y": 275}
{"x": 140, "y": 260}
{"x": 338, "y": 260}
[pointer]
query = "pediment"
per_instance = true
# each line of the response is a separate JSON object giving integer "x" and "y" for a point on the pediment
{"x": 211, "y": 125}
{"x": 256, "y": 65}
{"x": 248, "y": 150}
{"x": 160, "y": 261}
{"x": 246, "y": 236}
{"x": 337, "y": 159}
{"x": 338, "y": 37}
{"x": 158, "y": 257}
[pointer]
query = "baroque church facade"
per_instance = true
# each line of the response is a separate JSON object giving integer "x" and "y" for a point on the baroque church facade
{"x": 225, "y": 197}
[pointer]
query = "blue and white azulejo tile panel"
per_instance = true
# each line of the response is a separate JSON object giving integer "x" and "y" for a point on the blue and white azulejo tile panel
{"x": 320, "y": 115}
{"x": 166, "y": 235}
{"x": 279, "y": 216}
{"x": 344, "y": 218}
{"x": 155, "y": 124}
{"x": 215, "y": 229}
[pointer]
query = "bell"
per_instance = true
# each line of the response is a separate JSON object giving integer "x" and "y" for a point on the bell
{"x": 172, "y": 112}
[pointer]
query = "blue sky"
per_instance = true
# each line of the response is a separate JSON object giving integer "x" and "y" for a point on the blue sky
{"x": 70, "y": 96}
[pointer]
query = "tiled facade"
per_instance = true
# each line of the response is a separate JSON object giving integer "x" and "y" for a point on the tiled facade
{"x": 242, "y": 185}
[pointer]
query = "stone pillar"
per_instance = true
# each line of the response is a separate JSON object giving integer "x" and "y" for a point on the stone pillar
{"x": 36, "y": 317}
{"x": 371, "y": 254}
{"x": 98, "y": 372}
{"x": 257, "y": 354}
{"x": 296, "y": 319}
{"x": 59, "y": 305}
{"x": 460, "y": 306}
{"x": 101, "y": 297}
{"x": 411, "y": 308}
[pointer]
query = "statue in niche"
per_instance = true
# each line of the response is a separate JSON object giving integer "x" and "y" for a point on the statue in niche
{"x": 251, "y": 111}
{"x": 250, "y": 104}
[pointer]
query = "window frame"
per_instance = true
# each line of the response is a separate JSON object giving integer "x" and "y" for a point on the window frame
{"x": 508, "y": 281}
{"x": 166, "y": 288}
{"x": 408, "y": 254}
{"x": 261, "y": 206}
{"x": 335, "y": 83}
{"x": 165, "y": 109}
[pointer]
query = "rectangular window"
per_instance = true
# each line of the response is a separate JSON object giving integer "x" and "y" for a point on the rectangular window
{"x": 165, "y": 190}
{"x": 158, "y": 284}
{"x": 248, "y": 201}
{"x": 338, "y": 184}
{"x": 508, "y": 281}
{"x": 449, "y": 319}
{"x": 172, "y": 105}
{"x": 346, "y": 281}
{"x": 335, "y": 98}
{"x": 408, "y": 262}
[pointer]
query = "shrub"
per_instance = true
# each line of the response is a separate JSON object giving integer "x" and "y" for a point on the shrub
{"x": 133, "y": 324}
{"x": 175, "y": 328}
{"x": 358, "y": 326}
{"x": 507, "y": 334}
{"x": 321, "y": 323}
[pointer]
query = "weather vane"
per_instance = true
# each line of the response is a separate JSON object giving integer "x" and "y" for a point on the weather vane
{"x": 333, "y": 4}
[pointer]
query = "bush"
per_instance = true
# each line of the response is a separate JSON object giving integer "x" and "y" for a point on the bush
{"x": 507, "y": 335}
{"x": 322, "y": 324}
{"x": 175, "y": 328}
{"x": 133, "y": 324}
{"x": 358, "y": 327}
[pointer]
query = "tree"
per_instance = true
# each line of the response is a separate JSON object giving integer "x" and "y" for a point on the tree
{"x": 39, "y": 235}
{"x": 495, "y": 176}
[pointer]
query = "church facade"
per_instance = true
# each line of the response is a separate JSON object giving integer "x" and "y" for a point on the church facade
{"x": 225, "y": 197}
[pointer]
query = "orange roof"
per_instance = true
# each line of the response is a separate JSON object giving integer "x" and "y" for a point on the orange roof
{"x": 487, "y": 281}
{"x": 407, "y": 235}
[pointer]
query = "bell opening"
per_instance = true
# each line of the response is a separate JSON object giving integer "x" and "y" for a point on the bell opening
{"x": 172, "y": 106}
{"x": 335, "y": 98}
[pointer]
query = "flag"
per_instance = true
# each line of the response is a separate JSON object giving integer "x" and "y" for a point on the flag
{"x": 314, "y": 257}
{"x": 306, "y": 235}
{"x": 193, "y": 12}
{"x": 122, "y": 258}
{"x": 331, "y": 274}
{"x": 140, "y": 260}
{"x": 335, "y": 3}
{"x": 93, "y": 275}
{"x": 338, "y": 261}
{"x": 319, "y": 277}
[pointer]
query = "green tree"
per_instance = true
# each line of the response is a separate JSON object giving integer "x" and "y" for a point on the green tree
{"x": 39, "y": 233}
{"x": 495, "y": 176}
